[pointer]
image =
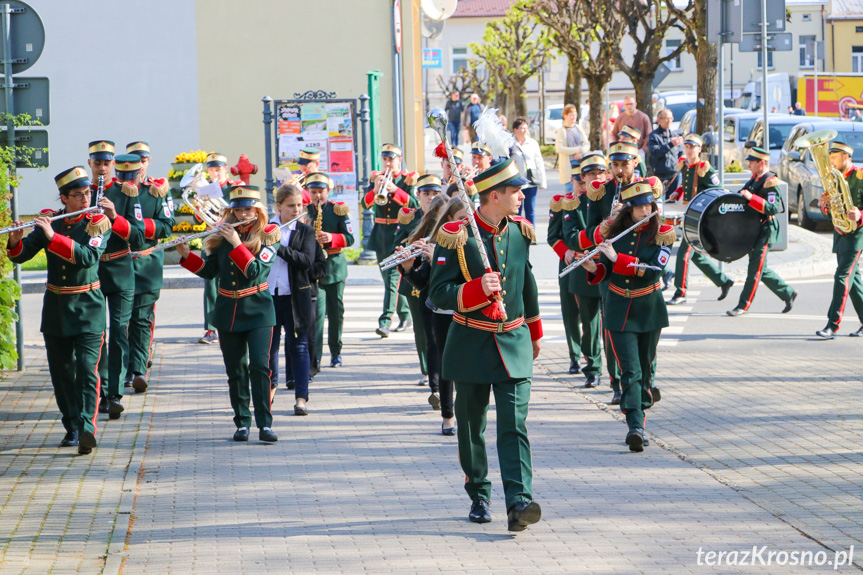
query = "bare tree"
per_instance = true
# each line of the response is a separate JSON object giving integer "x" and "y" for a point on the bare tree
{"x": 470, "y": 79}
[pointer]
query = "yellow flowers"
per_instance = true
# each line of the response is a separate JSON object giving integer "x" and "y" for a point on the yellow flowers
{"x": 183, "y": 227}
{"x": 200, "y": 227}
{"x": 193, "y": 156}
{"x": 184, "y": 209}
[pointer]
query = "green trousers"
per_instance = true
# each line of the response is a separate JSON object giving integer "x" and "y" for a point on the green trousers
{"x": 247, "y": 364}
{"x": 141, "y": 327}
{"x": 72, "y": 363}
{"x": 569, "y": 311}
{"x": 610, "y": 362}
{"x": 414, "y": 304}
{"x": 210, "y": 292}
{"x": 702, "y": 262}
{"x": 513, "y": 448}
{"x": 115, "y": 352}
{"x": 846, "y": 282}
{"x": 589, "y": 313}
{"x": 393, "y": 301}
{"x": 331, "y": 304}
{"x": 636, "y": 354}
{"x": 758, "y": 271}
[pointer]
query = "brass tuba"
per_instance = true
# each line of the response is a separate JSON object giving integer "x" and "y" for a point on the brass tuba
{"x": 835, "y": 186}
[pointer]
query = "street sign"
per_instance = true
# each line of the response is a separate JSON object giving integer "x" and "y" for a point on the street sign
{"x": 783, "y": 42}
{"x": 750, "y": 16}
{"x": 28, "y": 36}
{"x": 662, "y": 72}
{"x": 30, "y": 97}
{"x": 431, "y": 58}
{"x": 37, "y": 139}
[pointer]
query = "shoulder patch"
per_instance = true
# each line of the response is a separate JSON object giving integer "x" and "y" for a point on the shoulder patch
{"x": 406, "y": 215}
{"x": 666, "y": 235}
{"x": 526, "y": 227}
{"x": 97, "y": 225}
{"x": 267, "y": 253}
{"x": 596, "y": 190}
{"x": 571, "y": 203}
{"x": 556, "y": 203}
{"x": 411, "y": 178}
{"x": 341, "y": 208}
{"x": 772, "y": 182}
{"x": 703, "y": 168}
{"x": 452, "y": 235}
{"x": 272, "y": 234}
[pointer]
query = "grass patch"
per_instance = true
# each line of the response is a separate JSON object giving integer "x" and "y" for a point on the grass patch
{"x": 37, "y": 264}
{"x": 352, "y": 254}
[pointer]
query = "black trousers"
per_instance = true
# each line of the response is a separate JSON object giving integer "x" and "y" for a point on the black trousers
{"x": 437, "y": 327}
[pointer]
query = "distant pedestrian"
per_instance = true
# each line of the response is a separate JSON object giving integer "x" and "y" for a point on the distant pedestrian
{"x": 570, "y": 143}
{"x": 454, "y": 110}
{"x": 528, "y": 158}
{"x": 664, "y": 147}
{"x": 635, "y": 118}
{"x": 471, "y": 115}
{"x": 798, "y": 109}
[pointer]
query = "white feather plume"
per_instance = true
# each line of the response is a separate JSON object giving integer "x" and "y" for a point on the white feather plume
{"x": 490, "y": 131}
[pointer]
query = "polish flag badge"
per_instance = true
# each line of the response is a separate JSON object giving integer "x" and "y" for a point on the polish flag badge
{"x": 441, "y": 260}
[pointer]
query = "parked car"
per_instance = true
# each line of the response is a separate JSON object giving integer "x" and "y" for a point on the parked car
{"x": 687, "y": 122}
{"x": 678, "y": 104}
{"x": 553, "y": 121}
{"x": 736, "y": 129}
{"x": 797, "y": 168}
{"x": 781, "y": 126}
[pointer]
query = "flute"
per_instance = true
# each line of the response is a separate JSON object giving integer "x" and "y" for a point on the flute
{"x": 51, "y": 219}
{"x": 594, "y": 251}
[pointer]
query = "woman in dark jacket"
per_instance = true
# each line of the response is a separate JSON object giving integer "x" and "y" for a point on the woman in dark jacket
{"x": 291, "y": 286}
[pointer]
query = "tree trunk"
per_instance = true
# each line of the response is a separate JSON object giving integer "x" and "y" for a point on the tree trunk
{"x": 572, "y": 95}
{"x": 706, "y": 59}
{"x": 519, "y": 102}
{"x": 643, "y": 85}
{"x": 597, "y": 104}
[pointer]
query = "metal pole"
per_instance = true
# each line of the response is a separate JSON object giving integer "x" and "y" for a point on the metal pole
{"x": 397, "y": 136}
{"x": 10, "y": 135}
{"x": 720, "y": 151}
{"x": 764, "y": 75}
{"x": 815, "y": 87}
{"x": 607, "y": 118}
{"x": 366, "y": 255}
{"x": 268, "y": 145}
{"x": 541, "y": 115}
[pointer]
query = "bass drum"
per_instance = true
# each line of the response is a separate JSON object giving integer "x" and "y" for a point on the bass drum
{"x": 717, "y": 224}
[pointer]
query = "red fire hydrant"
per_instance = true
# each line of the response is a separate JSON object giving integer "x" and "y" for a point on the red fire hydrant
{"x": 244, "y": 169}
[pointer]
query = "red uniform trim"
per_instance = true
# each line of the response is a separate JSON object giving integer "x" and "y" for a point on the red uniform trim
{"x": 193, "y": 263}
{"x": 471, "y": 297}
{"x": 98, "y": 385}
{"x": 149, "y": 229}
{"x": 584, "y": 241}
{"x": 401, "y": 197}
{"x": 621, "y": 266}
{"x": 63, "y": 247}
{"x": 534, "y": 324}
{"x": 848, "y": 281}
{"x": 369, "y": 199}
{"x": 121, "y": 227}
{"x": 241, "y": 256}
{"x": 15, "y": 250}
{"x": 337, "y": 242}
{"x": 598, "y": 275}
{"x": 685, "y": 270}
{"x": 757, "y": 203}
{"x": 559, "y": 248}
{"x": 757, "y": 278}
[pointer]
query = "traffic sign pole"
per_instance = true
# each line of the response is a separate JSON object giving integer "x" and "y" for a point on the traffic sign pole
{"x": 764, "y": 76}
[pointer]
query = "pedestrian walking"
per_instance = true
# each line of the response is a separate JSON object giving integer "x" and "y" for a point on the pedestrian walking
{"x": 454, "y": 109}
{"x": 471, "y": 114}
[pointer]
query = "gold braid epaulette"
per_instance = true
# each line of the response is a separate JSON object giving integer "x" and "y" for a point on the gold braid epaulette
{"x": 665, "y": 236}
{"x": 159, "y": 191}
{"x": 595, "y": 194}
{"x": 452, "y": 240}
{"x": 271, "y": 235}
{"x": 411, "y": 179}
{"x": 406, "y": 217}
{"x": 571, "y": 204}
{"x": 527, "y": 229}
{"x": 703, "y": 167}
{"x": 555, "y": 205}
{"x": 130, "y": 190}
{"x": 341, "y": 209}
{"x": 656, "y": 187}
{"x": 98, "y": 225}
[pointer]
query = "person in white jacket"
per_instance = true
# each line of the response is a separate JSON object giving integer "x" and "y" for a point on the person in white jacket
{"x": 570, "y": 143}
{"x": 528, "y": 158}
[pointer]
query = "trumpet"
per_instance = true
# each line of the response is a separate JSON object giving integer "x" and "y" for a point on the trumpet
{"x": 594, "y": 251}
{"x": 398, "y": 258}
{"x": 208, "y": 209}
{"x": 381, "y": 197}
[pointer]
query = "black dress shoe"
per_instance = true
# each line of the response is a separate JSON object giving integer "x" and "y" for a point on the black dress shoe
{"x": 70, "y": 439}
{"x": 635, "y": 440}
{"x": 336, "y": 360}
{"x": 290, "y": 384}
{"x": 591, "y": 380}
{"x": 736, "y": 311}
{"x": 479, "y": 512}
{"x": 789, "y": 303}
{"x": 103, "y": 405}
{"x": 115, "y": 408}
{"x": 383, "y": 331}
{"x": 242, "y": 434}
{"x": 84, "y": 450}
{"x": 404, "y": 324}
{"x": 655, "y": 394}
{"x": 615, "y": 399}
{"x": 447, "y": 430}
{"x": 858, "y": 333}
{"x": 666, "y": 280}
{"x": 724, "y": 289}
{"x": 86, "y": 443}
{"x": 522, "y": 514}
{"x": 434, "y": 400}
{"x": 298, "y": 410}
{"x": 574, "y": 368}
{"x": 139, "y": 384}
{"x": 677, "y": 299}
{"x": 826, "y": 333}
{"x": 268, "y": 435}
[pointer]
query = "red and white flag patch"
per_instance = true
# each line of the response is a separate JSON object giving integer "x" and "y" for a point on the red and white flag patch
{"x": 441, "y": 260}
{"x": 96, "y": 241}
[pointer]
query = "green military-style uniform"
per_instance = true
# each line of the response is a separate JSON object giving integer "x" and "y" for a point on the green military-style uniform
{"x": 847, "y": 247}
{"x": 335, "y": 220}
{"x": 244, "y": 315}
{"x": 485, "y": 352}
{"x": 568, "y": 302}
{"x": 73, "y": 309}
{"x": 640, "y": 169}
{"x": 766, "y": 201}
{"x": 158, "y": 218}
{"x": 634, "y": 309}
{"x": 409, "y": 219}
{"x": 696, "y": 178}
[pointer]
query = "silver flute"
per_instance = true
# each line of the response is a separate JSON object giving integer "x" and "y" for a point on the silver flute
{"x": 399, "y": 258}
{"x": 594, "y": 251}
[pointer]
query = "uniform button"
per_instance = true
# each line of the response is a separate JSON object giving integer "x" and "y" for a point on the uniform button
{"x": 235, "y": 283}
{"x": 627, "y": 281}
{"x": 501, "y": 252}
{"x": 503, "y": 292}
{"x": 503, "y": 266}
{"x": 62, "y": 267}
{"x": 62, "y": 278}
{"x": 498, "y": 239}
{"x": 632, "y": 243}
{"x": 504, "y": 279}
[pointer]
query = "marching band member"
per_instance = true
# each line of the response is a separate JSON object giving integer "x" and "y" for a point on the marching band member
{"x": 480, "y": 156}
{"x": 555, "y": 239}
{"x": 632, "y": 135}
{"x": 244, "y": 314}
{"x": 635, "y": 311}
{"x": 117, "y": 276}
{"x": 697, "y": 176}
{"x": 291, "y": 286}
{"x": 73, "y": 310}
{"x": 157, "y": 212}
{"x": 501, "y": 351}
{"x": 762, "y": 193}
{"x": 399, "y": 194}
{"x": 592, "y": 168}
{"x": 428, "y": 187}
{"x": 847, "y": 247}
{"x": 337, "y": 233}
{"x": 458, "y": 156}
